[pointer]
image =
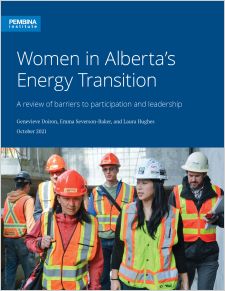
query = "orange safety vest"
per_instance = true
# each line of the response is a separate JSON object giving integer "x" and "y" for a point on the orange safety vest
{"x": 193, "y": 222}
{"x": 67, "y": 269}
{"x": 46, "y": 195}
{"x": 14, "y": 218}
{"x": 148, "y": 263}
{"x": 107, "y": 213}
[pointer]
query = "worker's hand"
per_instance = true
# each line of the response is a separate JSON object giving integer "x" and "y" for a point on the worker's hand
{"x": 115, "y": 285}
{"x": 46, "y": 241}
{"x": 184, "y": 285}
{"x": 211, "y": 217}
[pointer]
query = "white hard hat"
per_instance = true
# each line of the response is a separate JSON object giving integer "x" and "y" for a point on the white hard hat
{"x": 196, "y": 162}
{"x": 151, "y": 169}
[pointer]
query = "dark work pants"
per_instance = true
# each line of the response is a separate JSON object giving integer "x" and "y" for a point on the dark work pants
{"x": 105, "y": 278}
{"x": 206, "y": 274}
{"x": 16, "y": 253}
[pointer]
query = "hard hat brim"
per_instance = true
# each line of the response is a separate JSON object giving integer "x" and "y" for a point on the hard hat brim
{"x": 54, "y": 170}
{"x": 70, "y": 196}
{"x": 115, "y": 165}
{"x": 152, "y": 178}
{"x": 194, "y": 170}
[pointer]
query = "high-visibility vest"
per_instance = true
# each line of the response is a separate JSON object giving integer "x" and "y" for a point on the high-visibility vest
{"x": 107, "y": 213}
{"x": 46, "y": 195}
{"x": 148, "y": 263}
{"x": 14, "y": 218}
{"x": 193, "y": 222}
{"x": 68, "y": 268}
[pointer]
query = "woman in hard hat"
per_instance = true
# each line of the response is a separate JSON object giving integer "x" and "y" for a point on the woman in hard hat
{"x": 148, "y": 251}
{"x": 74, "y": 258}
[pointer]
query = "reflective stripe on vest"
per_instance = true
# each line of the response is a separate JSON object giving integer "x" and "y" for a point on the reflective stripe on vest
{"x": 144, "y": 278}
{"x": 107, "y": 213}
{"x": 193, "y": 222}
{"x": 153, "y": 265}
{"x": 14, "y": 218}
{"x": 46, "y": 195}
{"x": 68, "y": 269}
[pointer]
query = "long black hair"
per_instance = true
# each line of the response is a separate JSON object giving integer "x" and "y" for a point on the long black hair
{"x": 81, "y": 215}
{"x": 160, "y": 208}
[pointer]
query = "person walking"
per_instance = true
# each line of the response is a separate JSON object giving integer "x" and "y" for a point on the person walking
{"x": 74, "y": 258}
{"x": 55, "y": 166}
{"x": 18, "y": 220}
{"x": 195, "y": 199}
{"x": 105, "y": 203}
{"x": 149, "y": 250}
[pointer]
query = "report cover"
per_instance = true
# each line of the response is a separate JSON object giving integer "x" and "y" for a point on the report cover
{"x": 139, "y": 78}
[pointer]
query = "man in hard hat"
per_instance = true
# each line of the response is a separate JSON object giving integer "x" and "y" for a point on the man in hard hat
{"x": 18, "y": 220}
{"x": 45, "y": 195}
{"x": 196, "y": 198}
{"x": 74, "y": 258}
{"x": 105, "y": 203}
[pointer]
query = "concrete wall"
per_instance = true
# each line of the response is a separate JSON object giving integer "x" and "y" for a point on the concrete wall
{"x": 86, "y": 161}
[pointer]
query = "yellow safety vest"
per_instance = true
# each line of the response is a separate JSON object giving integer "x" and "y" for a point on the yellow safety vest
{"x": 148, "y": 263}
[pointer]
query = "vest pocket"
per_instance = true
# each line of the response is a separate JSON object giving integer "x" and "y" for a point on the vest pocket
{"x": 84, "y": 250}
{"x": 166, "y": 243}
{"x": 85, "y": 245}
{"x": 165, "y": 254}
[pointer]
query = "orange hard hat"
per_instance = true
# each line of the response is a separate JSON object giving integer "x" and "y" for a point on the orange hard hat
{"x": 110, "y": 159}
{"x": 70, "y": 184}
{"x": 55, "y": 163}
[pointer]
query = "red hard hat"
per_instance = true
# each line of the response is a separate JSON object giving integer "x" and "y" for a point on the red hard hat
{"x": 55, "y": 163}
{"x": 110, "y": 159}
{"x": 70, "y": 184}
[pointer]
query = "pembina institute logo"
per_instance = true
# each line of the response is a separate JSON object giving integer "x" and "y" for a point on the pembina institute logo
{"x": 21, "y": 23}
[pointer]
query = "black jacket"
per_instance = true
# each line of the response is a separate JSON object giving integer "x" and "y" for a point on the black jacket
{"x": 200, "y": 250}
